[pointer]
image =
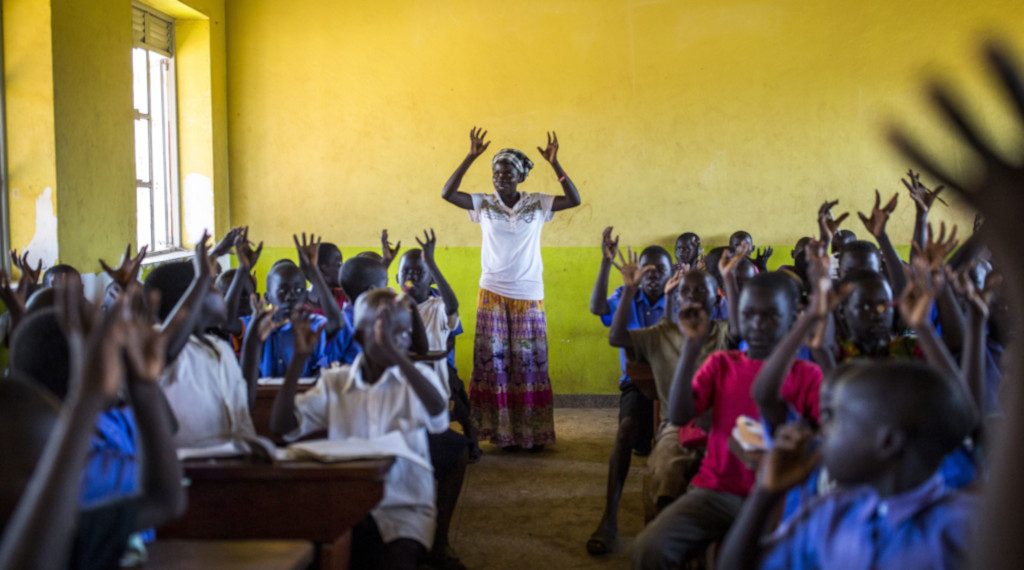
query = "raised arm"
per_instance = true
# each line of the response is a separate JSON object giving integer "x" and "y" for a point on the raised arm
{"x": 935, "y": 251}
{"x": 727, "y": 265}
{"x": 429, "y": 245}
{"x": 40, "y": 532}
{"x": 915, "y": 308}
{"x": 923, "y": 200}
{"x": 182, "y": 320}
{"x": 827, "y": 225}
{"x": 282, "y": 414}
{"x": 695, "y": 325}
{"x": 632, "y": 273}
{"x": 599, "y": 296}
{"x": 451, "y": 192}
{"x": 247, "y": 258}
{"x": 308, "y": 258}
{"x": 876, "y": 227}
{"x": 433, "y": 400}
{"x": 570, "y": 197}
{"x": 972, "y": 359}
{"x": 260, "y": 327}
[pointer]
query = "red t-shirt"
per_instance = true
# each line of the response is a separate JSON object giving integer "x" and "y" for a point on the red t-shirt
{"x": 339, "y": 297}
{"x": 722, "y": 384}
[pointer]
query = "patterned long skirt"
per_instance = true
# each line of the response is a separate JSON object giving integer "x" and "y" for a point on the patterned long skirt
{"x": 510, "y": 390}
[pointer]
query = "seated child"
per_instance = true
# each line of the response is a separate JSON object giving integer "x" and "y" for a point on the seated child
{"x": 243, "y": 305}
{"x": 723, "y": 385}
{"x": 358, "y": 275}
{"x": 204, "y": 383}
{"x": 329, "y": 260}
{"x": 60, "y": 274}
{"x": 886, "y": 431}
{"x": 46, "y": 449}
{"x": 636, "y": 411}
{"x": 381, "y": 392}
{"x": 688, "y": 250}
{"x": 859, "y": 255}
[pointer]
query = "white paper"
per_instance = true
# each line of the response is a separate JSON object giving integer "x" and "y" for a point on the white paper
{"x": 280, "y": 381}
{"x": 223, "y": 450}
{"x": 354, "y": 448}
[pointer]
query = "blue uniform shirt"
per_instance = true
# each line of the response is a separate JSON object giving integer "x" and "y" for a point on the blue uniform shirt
{"x": 110, "y": 468}
{"x": 643, "y": 315}
{"x": 280, "y": 346}
{"x": 342, "y": 347}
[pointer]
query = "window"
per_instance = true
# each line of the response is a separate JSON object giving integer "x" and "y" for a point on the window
{"x": 156, "y": 168}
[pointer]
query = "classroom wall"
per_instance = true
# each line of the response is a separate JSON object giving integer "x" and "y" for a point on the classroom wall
{"x": 347, "y": 117}
{"x": 68, "y": 73}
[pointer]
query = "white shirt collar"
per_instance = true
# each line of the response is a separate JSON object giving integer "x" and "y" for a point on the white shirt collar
{"x": 355, "y": 379}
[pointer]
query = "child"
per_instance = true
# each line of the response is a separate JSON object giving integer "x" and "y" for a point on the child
{"x": 329, "y": 260}
{"x": 723, "y": 384}
{"x": 381, "y": 392}
{"x": 859, "y": 255}
{"x": 358, "y": 275}
{"x": 204, "y": 383}
{"x": 688, "y": 250}
{"x": 46, "y": 525}
{"x": 636, "y": 411}
{"x": 889, "y": 426}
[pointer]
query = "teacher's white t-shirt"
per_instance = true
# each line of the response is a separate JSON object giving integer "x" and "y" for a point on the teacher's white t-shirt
{"x": 510, "y": 255}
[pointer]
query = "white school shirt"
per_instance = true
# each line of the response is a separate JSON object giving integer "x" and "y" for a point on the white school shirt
{"x": 510, "y": 256}
{"x": 347, "y": 406}
{"x": 208, "y": 394}
{"x": 439, "y": 326}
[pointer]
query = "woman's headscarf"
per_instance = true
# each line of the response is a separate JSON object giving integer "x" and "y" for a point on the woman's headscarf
{"x": 519, "y": 161}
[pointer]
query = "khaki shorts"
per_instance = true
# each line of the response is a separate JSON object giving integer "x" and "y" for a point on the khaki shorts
{"x": 670, "y": 468}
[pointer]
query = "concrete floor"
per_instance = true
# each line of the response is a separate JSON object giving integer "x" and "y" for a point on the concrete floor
{"x": 525, "y": 510}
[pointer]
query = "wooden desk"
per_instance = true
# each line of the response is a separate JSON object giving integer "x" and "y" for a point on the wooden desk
{"x": 318, "y": 502}
{"x": 264, "y": 405}
{"x": 229, "y": 554}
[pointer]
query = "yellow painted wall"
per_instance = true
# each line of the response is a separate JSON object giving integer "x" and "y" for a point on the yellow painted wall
{"x": 347, "y": 117}
{"x": 30, "y": 137}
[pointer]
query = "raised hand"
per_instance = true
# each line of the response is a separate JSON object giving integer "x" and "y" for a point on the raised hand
{"x": 204, "y": 264}
{"x": 306, "y": 337}
{"x": 145, "y": 344}
{"x": 980, "y": 299}
{"x": 309, "y": 250}
{"x": 428, "y": 244}
{"x": 95, "y": 343}
{"x": 477, "y": 146}
{"x": 923, "y": 197}
{"x": 936, "y": 249}
{"x": 224, "y": 245}
{"x": 630, "y": 268}
{"x": 550, "y": 153}
{"x": 762, "y": 256}
{"x": 25, "y": 267}
{"x": 247, "y": 256}
{"x": 731, "y": 260}
{"x": 14, "y": 300}
{"x": 382, "y": 331}
{"x": 923, "y": 284}
{"x": 609, "y": 246}
{"x": 826, "y": 223}
{"x": 818, "y": 261}
{"x": 879, "y": 215}
{"x": 790, "y": 460}
{"x": 128, "y": 271}
{"x": 263, "y": 318}
{"x": 676, "y": 278}
{"x": 386, "y": 251}
{"x": 694, "y": 322}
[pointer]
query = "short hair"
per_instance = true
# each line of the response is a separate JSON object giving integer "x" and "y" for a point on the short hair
{"x": 845, "y": 234}
{"x": 224, "y": 280}
{"x": 656, "y": 250}
{"x": 172, "y": 280}
{"x": 60, "y": 269}
{"x": 41, "y": 299}
{"x": 741, "y": 234}
{"x": 859, "y": 246}
{"x": 367, "y": 306}
{"x": 775, "y": 282}
{"x": 326, "y": 248}
{"x": 711, "y": 262}
{"x": 360, "y": 274}
{"x": 686, "y": 235}
{"x": 280, "y": 262}
{"x": 370, "y": 255}
{"x": 861, "y": 277}
{"x": 931, "y": 407}
{"x": 39, "y": 350}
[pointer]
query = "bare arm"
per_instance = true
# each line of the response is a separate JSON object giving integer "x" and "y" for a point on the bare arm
{"x": 182, "y": 320}
{"x": 282, "y": 414}
{"x": 570, "y": 197}
{"x": 308, "y": 263}
{"x": 741, "y": 549}
{"x": 681, "y": 408}
{"x": 618, "y": 334}
{"x": 428, "y": 245}
{"x": 599, "y": 296}
{"x": 727, "y": 267}
{"x": 247, "y": 258}
{"x": 164, "y": 497}
{"x": 451, "y": 191}
{"x": 260, "y": 327}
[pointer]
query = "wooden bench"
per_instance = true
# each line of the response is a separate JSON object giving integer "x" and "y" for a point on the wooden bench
{"x": 317, "y": 502}
{"x": 229, "y": 554}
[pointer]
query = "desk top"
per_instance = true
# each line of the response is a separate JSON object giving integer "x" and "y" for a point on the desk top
{"x": 241, "y": 468}
{"x": 230, "y": 554}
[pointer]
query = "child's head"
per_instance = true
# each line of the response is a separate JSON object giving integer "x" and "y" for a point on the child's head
{"x": 286, "y": 288}
{"x": 223, "y": 283}
{"x": 39, "y": 351}
{"x": 687, "y": 248}
{"x": 711, "y": 262}
{"x": 41, "y": 299}
{"x": 28, "y": 415}
{"x": 368, "y": 308}
{"x": 697, "y": 290}
{"x": 172, "y": 280}
{"x": 745, "y": 271}
{"x": 413, "y": 275}
{"x": 653, "y": 282}
{"x": 767, "y": 308}
{"x": 859, "y": 255}
{"x": 509, "y": 168}
{"x": 888, "y": 414}
{"x": 739, "y": 237}
{"x": 868, "y": 311}
{"x": 799, "y": 247}
{"x": 60, "y": 274}
{"x": 841, "y": 238}
{"x": 360, "y": 274}
{"x": 329, "y": 261}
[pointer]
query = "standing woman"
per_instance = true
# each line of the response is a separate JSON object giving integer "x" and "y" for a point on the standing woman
{"x": 510, "y": 389}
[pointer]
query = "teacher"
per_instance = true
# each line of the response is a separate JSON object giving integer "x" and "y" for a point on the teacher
{"x": 510, "y": 390}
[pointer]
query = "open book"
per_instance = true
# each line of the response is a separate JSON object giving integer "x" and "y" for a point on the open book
{"x": 309, "y": 381}
{"x": 350, "y": 449}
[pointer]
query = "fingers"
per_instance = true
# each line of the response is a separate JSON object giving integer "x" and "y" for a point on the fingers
{"x": 912, "y": 151}
{"x": 890, "y": 207}
{"x": 950, "y": 108}
{"x": 1009, "y": 72}
{"x": 865, "y": 220}
{"x": 107, "y": 268}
